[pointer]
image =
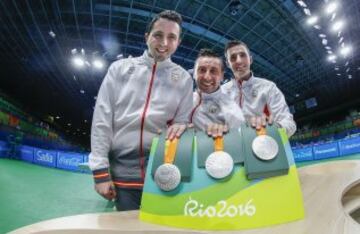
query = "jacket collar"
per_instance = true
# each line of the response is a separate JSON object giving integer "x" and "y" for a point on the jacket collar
{"x": 244, "y": 83}
{"x": 150, "y": 60}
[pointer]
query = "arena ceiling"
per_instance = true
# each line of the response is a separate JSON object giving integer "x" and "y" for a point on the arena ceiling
{"x": 38, "y": 40}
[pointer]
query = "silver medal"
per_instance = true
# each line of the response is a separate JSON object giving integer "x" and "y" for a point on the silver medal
{"x": 265, "y": 147}
{"x": 167, "y": 177}
{"x": 219, "y": 164}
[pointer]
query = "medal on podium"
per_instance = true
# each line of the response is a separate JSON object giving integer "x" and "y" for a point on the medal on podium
{"x": 219, "y": 164}
{"x": 264, "y": 146}
{"x": 167, "y": 176}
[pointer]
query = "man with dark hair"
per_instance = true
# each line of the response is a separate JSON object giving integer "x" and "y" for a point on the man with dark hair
{"x": 167, "y": 14}
{"x": 138, "y": 98}
{"x": 212, "y": 110}
{"x": 260, "y": 99}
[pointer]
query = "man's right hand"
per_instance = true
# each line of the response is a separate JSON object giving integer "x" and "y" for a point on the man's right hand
{"x": 217, "y": 130}
{"x": 259, "y": 122}
{"x": 106, "y": 189}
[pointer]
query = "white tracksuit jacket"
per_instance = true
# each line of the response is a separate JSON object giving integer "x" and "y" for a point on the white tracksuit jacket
{"x": 215, "y": 107}
{"x": 255, "y": 94}
{"x": 137, "y": 98}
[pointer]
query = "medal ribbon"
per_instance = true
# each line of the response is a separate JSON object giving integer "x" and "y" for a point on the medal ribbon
{"x": 170, "y": 151}
{"x": 219, "y": 144}
{"x": 261, "y": 131}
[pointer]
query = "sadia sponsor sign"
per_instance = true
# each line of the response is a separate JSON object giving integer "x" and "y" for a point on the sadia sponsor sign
{"x": 45, "y": 157}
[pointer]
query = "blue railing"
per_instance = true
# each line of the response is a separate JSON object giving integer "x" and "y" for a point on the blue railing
{"x": 333, "y": 149}
{"x": 49, "y": 158}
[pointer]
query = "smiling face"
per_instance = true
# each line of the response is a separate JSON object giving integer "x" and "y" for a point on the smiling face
{"x": 163, "y": 39}
{"x": 208, "y": 73}
{"x": 239, "y": 60}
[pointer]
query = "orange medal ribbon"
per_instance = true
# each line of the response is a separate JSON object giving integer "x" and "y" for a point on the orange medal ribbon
{"x": 261, "y": 131}
{"x": 170, "y": 150}
{"x": 219, "y": 144}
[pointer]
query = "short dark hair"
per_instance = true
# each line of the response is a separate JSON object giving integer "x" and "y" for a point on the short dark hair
{"x": 167, "y": 14}
{"x": 233, "y": 43}
{"x": 206, "y": 52}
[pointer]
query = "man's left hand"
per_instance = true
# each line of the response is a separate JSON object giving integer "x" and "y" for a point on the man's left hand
{"x": 175, "y": 130}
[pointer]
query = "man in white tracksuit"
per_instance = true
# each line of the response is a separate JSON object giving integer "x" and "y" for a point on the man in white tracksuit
{"x": 213, "y": 111}
{"x": 260, "y": 99}
{"x": 138, "y": 98}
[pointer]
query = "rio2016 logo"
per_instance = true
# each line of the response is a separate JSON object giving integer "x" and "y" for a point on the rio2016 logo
{"x": 195, "y": 209}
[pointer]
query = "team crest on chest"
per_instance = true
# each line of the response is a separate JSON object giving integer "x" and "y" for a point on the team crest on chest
{"x": 175, "y": 76}
{"x": 213, "y": 109}
{"x": 254, "y": 93}
{"x": 131, "y": 70}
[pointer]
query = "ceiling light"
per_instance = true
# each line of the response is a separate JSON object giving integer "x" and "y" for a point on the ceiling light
{"x": 328, "y": 47}
{"x": 57, "y": 117}
{"x": 78, "y": 61}
{"x": 333, "y": 17}
{"x": 317, "y": 27}
{"x": 338, "y": 74}
{"x": 337, "y": 25}
{"x": 322, "y": 35}
{"x": 297, "y": 95}
{"x": 312, "y": 20}
{"x": 336, "y": 69}
{"x": 324, "y": 41}
{"x": 349, "y": 76}
{"x": 301, "y": 3}
{"x": 74, "y": 51}
{"x": 52, "y": 34}
{"x": 331, "y": 7}
{"x": 82, "y": 91}
{"x": 82, "y": 51}
{"x": 331, "y": 57}
{"x": 347, "y": 63}
{"x": 98, "y": 64}
{"x": 329, "y": 51}
{"x": 347, "y": 70}
{"x": 341, "y": 39}
{"x": 307, "y": 11}
{"x": 345, "y": 51}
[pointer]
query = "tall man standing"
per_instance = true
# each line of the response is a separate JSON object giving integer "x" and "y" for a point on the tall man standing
{"x": 138, "y": 98}
{"x": 260, "y": 99}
